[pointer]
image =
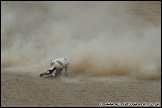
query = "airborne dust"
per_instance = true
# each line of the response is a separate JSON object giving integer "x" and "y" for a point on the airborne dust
{"x": 100, "y": 38}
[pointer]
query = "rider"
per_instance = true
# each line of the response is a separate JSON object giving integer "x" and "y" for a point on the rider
{"x": 58, "y": 65}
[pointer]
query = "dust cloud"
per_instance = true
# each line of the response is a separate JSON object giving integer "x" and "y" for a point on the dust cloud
{"x": 100, "y": 38}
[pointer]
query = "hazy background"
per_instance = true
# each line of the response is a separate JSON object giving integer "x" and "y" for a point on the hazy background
{"x": 100, "y": 38}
